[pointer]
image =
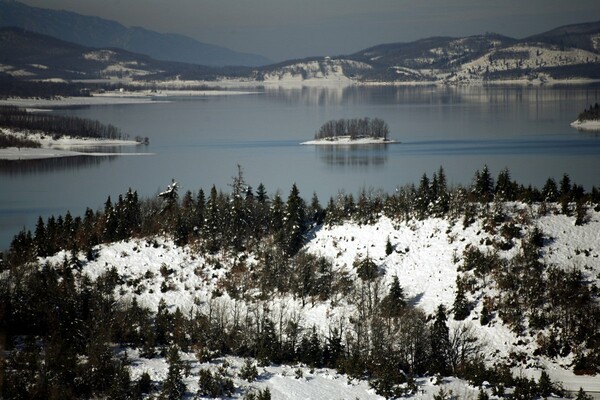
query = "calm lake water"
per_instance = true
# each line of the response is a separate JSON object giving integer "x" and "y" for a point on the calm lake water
{"x": 200, "y": 142}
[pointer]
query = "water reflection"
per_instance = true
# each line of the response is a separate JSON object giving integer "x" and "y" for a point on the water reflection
{"x": 41, "y": 166}
{"x": 374, "y": 155}
{"x": 434, "y": 95}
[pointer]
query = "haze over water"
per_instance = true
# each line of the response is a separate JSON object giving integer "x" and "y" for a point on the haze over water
{"x": 200, "y": 142}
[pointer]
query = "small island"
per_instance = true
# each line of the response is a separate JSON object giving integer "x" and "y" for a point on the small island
{"x": 588, "y": 120}
{"x": 352, "y": 131}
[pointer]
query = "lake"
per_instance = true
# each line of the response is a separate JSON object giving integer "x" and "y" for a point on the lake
{"x": 200, "y": 141}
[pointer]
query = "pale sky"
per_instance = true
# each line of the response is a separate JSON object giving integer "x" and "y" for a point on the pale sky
{"x": 286, "y": 29}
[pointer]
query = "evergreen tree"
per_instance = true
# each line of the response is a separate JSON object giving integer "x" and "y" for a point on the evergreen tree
{"x": 394, "y": 302}
{"x": 294, "y": 225}
{"x": 461, "y": 304}
{"x": 550, "y": 191}
{"x": 581, "y": 395}
{"x": 440, "y": 342}
{"x": 423, "y": 197}
{"x": 173, "y": 386}
{"x": 483, "y": 186}
{"x": 505, "y": 187}
{"x": 441, "y": 198}
{"x": 213, "y": 221}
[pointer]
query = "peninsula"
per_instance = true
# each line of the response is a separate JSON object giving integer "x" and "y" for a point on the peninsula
{"x": 28, "y": 135}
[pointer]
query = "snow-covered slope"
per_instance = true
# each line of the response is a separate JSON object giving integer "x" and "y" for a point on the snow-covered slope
{"x": 426, "y": 257}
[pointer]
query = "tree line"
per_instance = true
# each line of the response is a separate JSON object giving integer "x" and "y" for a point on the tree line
{"x": 354, "y": 128}
{"x": 589, "y": 114}
{"x": 58, "y": 125}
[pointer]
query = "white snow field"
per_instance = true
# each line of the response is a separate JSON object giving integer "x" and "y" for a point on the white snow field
{"x": 426, "y": 256}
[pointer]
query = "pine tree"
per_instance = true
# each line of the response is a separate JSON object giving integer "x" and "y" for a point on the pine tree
{"x": 550, "y": 191}
{"x": 461, "y": 304}
{"x": 483, "y": 186}
{"x": 389, "y": 249}
{"x": 294, "y": 225}
{"x": 440, "y": 196}
{"x": 213, "y": 221}
{"x": 394, "y": 302}
{"x": 423, "y": 197}
{"x": 173, "y": 386}
{"x": 581, "y": 395}
{"x": 505, "y": 188}
{"x": 440, "y": 342}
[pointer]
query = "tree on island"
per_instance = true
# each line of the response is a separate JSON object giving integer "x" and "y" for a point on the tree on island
{"x": 354, "y": 128}
{"x": 592, "y": 113}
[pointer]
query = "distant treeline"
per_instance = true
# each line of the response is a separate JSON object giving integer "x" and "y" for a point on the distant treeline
{"x": 17, "y": 118}
{"x": 355, "y": 128}
{"x": 590, "y": 114}
{"x": 13, "y": 141}
{"x": 12, "y": 87}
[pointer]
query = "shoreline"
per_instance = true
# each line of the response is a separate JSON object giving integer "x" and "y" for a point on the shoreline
{"x": 589, "y": 125}
{"x": 62, "y": 147}
{"x": 142, "y": 96}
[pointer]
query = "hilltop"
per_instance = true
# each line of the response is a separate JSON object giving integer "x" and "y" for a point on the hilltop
{"x": 490, "y": 289}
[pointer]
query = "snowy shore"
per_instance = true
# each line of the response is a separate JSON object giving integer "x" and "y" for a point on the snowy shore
{"x": 117, "y": 98}
{"x": 346, "y": 140}
{"x": 590, "y": 125}
{"x": 61, "y": 147}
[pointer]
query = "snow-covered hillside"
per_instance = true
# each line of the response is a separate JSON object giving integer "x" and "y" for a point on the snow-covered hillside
{"x": 427, "y": 257}
{"x": 318, "y": 72}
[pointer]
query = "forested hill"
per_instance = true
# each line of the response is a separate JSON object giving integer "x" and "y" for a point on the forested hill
{"x": 97, "y": 32}
{"x": 424, "y": 291}
{"x": 564, "y": 53}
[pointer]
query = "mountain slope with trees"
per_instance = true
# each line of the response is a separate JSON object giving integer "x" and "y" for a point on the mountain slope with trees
{"x": 475, "y": 282}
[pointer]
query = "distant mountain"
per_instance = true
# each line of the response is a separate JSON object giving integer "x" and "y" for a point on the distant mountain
{"x": 583, "y": 36}
{"x": 33, "y": 56}
{"x": 569, "y": 52}
{"x": 97, "y": 32}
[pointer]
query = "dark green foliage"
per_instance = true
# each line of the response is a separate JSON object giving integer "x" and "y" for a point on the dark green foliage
{"x": 173, "y": 386}
{"x": 461, "y": 307}
{"x": 214, "y": 384}
{"x": 294, "y": 225}
{"x": 389, "y": 249}
{"x": 591, "y": 113}
{"x": 581, "y": 395}
{"x": 264, "y": 394}
{"x": 248, "y": 371}
{"x": 440, "y": 342}
{"x": 483, "y": 185}
{"x": 355, "y": 128}
{"x": 14, "y": 141}
{"x": 506, "y": 189}
{"x": 366, "y": 269}
{"x": 394, "y": 302}
{"x": 17, "y": 118}
{"x": 483, "y": 395}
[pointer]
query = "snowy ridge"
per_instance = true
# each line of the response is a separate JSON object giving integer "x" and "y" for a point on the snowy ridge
{"x": 322, "y": 71}
{"x": 426, "y": 257}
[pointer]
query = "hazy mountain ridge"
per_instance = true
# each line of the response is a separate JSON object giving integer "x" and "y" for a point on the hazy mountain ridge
{"x": 566, "y": 52}
{"x": 98, "y": 32}
{"x": 28, "y": 55}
